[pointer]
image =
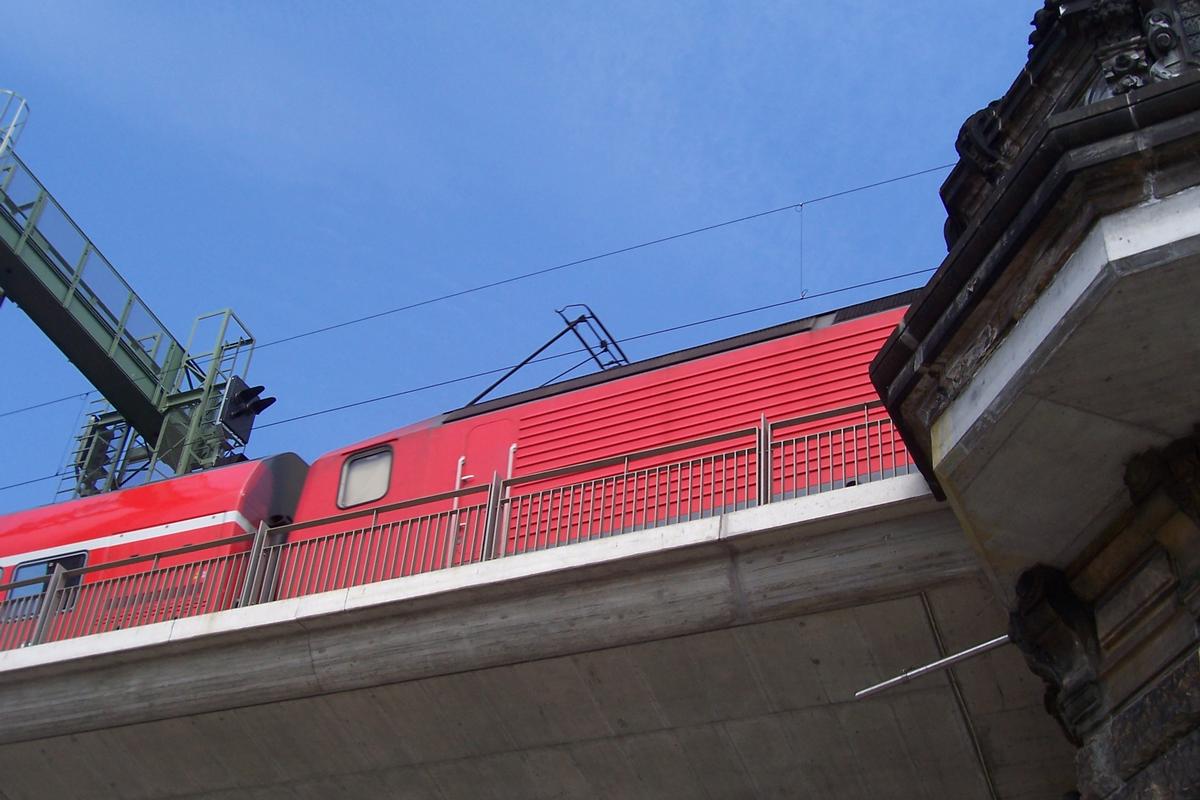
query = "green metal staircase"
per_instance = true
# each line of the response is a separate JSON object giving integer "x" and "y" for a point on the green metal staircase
{"x": 164, "y": 400}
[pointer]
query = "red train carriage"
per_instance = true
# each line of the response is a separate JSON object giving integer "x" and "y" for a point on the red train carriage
{"x": 781, "y": 412}
{"x": 671, "y": 438}
{"x": 199, "y": 526}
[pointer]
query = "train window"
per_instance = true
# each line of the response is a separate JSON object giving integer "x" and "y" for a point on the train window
{"x": 365, "y": 477}
{"x": 25, "y": 600}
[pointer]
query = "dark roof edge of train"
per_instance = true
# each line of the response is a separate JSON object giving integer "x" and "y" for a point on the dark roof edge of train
{"x": 837, "y": 315}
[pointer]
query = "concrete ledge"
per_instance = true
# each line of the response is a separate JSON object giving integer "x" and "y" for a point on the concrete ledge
{"x": 1031, "y": 453}
{"x": 821, "y": 513}
{"x": 1099, "y": 261}
{"x": 839, "y": 549}
{"x": 865, "y": 503}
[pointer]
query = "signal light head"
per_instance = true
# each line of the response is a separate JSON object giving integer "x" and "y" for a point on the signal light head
{"x": 261, "y": 405}
{"x": 242, "y": 404}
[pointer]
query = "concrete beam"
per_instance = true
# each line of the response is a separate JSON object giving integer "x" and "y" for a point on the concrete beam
{"x": 882, "y": 540}
{"x": 758, "y": 710}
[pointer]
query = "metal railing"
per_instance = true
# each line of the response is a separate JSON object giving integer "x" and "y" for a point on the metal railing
{"x": 607, "y": 497}
{"x": 127, "y": 593}
{"x": 609, "y": 502}
{"x": 398, "y": 540}
{"x": 37, "y": 229}
{"x": 864, "y": 446}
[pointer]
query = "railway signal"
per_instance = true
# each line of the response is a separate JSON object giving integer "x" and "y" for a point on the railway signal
{"x": 242, "y": 405}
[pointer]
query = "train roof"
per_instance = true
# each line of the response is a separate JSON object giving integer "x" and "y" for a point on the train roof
{"x": 185, "y": 497}
{"x": 814, "y": 322}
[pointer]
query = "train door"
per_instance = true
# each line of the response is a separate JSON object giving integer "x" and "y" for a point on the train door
{"x": 487, "y": 450}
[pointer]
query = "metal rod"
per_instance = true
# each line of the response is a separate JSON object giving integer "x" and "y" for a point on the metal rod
{"x": 530, "y": 357}
{"x": 257, "y": 548}
{"x": 941, "y": 663}
{"x": 491, "y": 516}
{"x": 588, "y": 318}
{"x": 959, "y": 700}
{"x": 50, "y": 605}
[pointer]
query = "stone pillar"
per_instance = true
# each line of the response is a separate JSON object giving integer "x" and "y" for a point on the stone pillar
{"x": 1047, "y": 379}
{"x": 1117, "y": 642}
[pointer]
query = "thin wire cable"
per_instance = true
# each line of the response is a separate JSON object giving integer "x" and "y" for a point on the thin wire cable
{"x": 769, "y": 306}
{"x": 35, "y": 406}
{"x": 568, "y": 370}
{"x": 799, "y": 206}
{"x": 32, "y": 480}
{"x": 636, "y": 337}
{"x": 485, "y": 373}
{"x": 73, "y": 443}
{"x": 413, "y": 390}
{"x": 619, "y": 251}
{"x": 800, "y": 210}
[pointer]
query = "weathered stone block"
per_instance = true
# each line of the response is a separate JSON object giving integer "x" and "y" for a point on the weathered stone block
{"x": 1174, "y": 776}
{"x": 1144, "y": 748}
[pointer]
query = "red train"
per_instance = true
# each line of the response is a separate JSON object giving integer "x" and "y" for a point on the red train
{"x": 780, "y": 412}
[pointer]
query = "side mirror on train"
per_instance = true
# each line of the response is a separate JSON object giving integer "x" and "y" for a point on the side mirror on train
{"x": 242, "y": 405}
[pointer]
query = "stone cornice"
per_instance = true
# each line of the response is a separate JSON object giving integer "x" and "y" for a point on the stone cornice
{"x": 1108, "y": 140}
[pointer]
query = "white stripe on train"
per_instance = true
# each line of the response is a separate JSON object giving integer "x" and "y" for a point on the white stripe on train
{"x": 182, "y": 526}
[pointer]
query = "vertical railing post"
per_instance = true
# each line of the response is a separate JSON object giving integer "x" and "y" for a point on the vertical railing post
{"x": 763, "y": 456}
{"x": 51, "y": 603}
{"x": 121, "y": 323}
{"x": 867, "y": 434}
{"x": 32, "y": 219}
{"x": 500, "y": 523}
{"x": 9, "y": 171}
{"x": 249, "y": 583}
{"x": 77, "y": 273}
{"x": 491, "y": 517}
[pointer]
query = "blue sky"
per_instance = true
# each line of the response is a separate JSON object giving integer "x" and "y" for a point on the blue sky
{"x": 306, "y": 163}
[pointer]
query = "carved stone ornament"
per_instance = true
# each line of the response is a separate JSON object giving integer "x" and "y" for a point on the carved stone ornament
{"x": 1176, "y": 469}
{"x": 979, "y": 141}
{"x": 1133, "y": 46}
{"x": 1169, "y": 46}
{"x": 1056, "y": 632}
{"x": 1044, "y": 19}
{"x": 1122, "y": 49}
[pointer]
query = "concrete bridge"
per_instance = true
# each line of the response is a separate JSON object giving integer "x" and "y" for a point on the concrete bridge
{"x": 716, "y": 658}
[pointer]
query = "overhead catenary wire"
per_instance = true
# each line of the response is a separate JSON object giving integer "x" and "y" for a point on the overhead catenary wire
{"x": 485, "y": 373}
{"x": 56, "y": 401}
{"x": 413, "y": 390}
{"x": 797, "y": 206}
{"x": 345, "y": 406}
{"x": 32, "y": 481}
{"x": 646, "y": 335}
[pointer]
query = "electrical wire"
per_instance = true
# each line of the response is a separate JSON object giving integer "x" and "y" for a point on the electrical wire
{"x": 798, "y": 206}
{"x": 413, "y": 390}
{"x": 569, "y": 370}
{"x": 76, "y": 396}
{"x": 619, "y": 251}
{"x": 32, "y": 480}
{"x": 348, "y": 405}
{"x": 636, "y": 337}
{"x": 485, "y": 373}
{"x": 769, "y": 306}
